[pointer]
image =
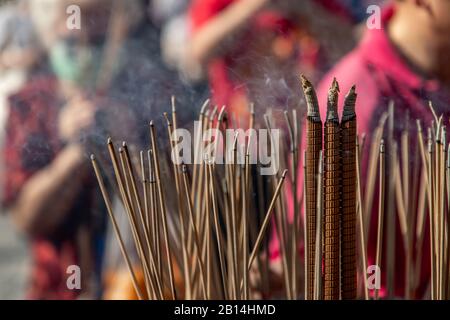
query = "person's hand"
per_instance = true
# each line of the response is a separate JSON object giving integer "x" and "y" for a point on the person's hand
{"x": 77, "y": 116}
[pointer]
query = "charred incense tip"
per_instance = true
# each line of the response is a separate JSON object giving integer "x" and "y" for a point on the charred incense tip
{"x": 349, "y": 104}
{"x": 332, "y": 101}
{"x": 382, "y": 146}
{"x": 252, "y": 108}
{"x": 152, "y": 124}
{"x": 124, "y": 144}
{"x": 283, "y": 176}
{"x": 305, "y": 82}
{"x": 311, "y": 99}
{"x": 444, "y": 136}
{"x": 120, "y": 150}
{"x": 92, "y": 157}
{"x": 109, "y": 141}
{"x": 184, "y": 168}
{"x": 335, "y": 85}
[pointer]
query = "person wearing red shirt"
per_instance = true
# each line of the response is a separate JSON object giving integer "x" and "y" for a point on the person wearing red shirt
{"x": 253, "y": 50}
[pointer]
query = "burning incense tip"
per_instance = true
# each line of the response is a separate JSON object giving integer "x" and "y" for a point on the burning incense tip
{"x": 124, "y": 144}
{"x": 252, "y": 108}
{"x": 184, "y": 168}
{"x": 335, "y": 85}
{"x": 349, "y": 104}
{"x": 382, "y": 146}
{"x": 152, "y": 123}
{"x": 92, "y": 157}
{"x": 120, "y": 149}
{"x": 311, "y": 99}
{"x": 109, "y": 141}
{"x": 332, "y": 103}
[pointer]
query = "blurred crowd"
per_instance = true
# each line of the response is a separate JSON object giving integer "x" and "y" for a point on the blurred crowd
{"x": 63, "y": 91}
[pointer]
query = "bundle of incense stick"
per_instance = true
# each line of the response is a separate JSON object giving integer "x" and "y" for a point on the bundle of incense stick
{"x": 193, "y": 225}
{"x": 339, "y": 195}
{"x": 208, "y": 246}
{"x": 421, "y": 192}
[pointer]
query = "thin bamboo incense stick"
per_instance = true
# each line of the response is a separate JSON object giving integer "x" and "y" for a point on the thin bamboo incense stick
{"x": 361, "y": 222}
{"x": 147, "y": 255}
{"x": 372, "y": 174}
{"x": 431, "y": 216}
{"x": 197, "y": 147}
{"x": 194, "y": 231}
{"x": 163, "y": 209}
{"x": 154, "y": 214}
{"x": 348, "y": 244}
{"x": 219, "y": 238}
{"x": 128, "y": 208}
{"x": 115, "y": 227}
{"x": 332, "y": 203}
{"x": 266, "y": 220}
{"x": 380, "y": 211}
{"x": 170, "y": 131}
{"x": 420, "y": 229}
{"x": 390, "y": 205}
{"x": 294, "y": 226}
{"x": 313, "y": 147}
{"x": 318, "y": 234}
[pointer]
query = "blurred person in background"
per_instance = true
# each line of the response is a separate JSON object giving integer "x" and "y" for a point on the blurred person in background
{"x": 20, "y": 53}
{"x": 53, "y": 125}
{"x": 254, "y": 50}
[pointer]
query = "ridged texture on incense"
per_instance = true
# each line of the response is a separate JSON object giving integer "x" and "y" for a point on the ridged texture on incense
{"x": 313, "y": 147}
{"x": 332, "y": 176}
{"x": 348, "y": 231}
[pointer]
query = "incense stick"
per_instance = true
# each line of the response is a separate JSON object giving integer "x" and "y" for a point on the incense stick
{"x": 348, "y": 244}
{"x": 332, "y": 203}
{"x": 313, "y": 147}
{"x": 380, "y": 210}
